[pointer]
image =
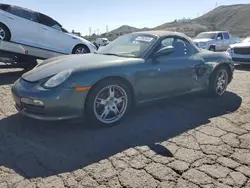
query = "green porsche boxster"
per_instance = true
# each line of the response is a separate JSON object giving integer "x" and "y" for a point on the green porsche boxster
{"x": 133, "y": 69}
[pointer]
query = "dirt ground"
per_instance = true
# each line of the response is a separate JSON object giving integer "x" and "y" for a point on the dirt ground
{"x": 185, "y": 142}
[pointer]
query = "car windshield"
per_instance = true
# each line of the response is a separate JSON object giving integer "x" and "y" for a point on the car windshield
{"x": 130, "y": 45}
{"x": 247, "y": 40}
{"x": 206, "y": 36}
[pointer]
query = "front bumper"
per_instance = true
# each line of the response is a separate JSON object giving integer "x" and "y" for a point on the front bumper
{"x": 48, "y": 104}
{"x": 239, "y": 58}
{"x": 244, "y": 61}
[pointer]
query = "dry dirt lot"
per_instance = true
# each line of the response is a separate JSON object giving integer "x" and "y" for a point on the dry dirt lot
{"x": 187, "y": 142}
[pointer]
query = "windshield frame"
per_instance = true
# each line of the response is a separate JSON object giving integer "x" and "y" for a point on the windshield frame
{"x": 141, "y": 55}
{"x": 208, "y": 33}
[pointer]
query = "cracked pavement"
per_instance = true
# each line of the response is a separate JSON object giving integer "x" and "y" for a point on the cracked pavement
{"x": 185, "y": 142}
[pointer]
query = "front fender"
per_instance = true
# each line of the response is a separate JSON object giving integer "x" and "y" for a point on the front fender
{"x": 214, "y": 65}
{"x": 91, "y": 77}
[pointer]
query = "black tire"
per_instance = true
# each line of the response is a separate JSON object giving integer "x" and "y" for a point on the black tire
{"x": 90, "y": 101}
{"x": 212, "y": 48}
{"x": 80, "y": 49}
{"x": 5, "y": 33}
{"x": 29, "y": 67}
{"x": 214, "y": 79}
{"x": 28, "y": 62}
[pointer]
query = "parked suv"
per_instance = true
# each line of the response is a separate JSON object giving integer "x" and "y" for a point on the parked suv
{"x": 215, "y": 40}
{"x": 240, "y": 52}
{"x": 24, "y": 26}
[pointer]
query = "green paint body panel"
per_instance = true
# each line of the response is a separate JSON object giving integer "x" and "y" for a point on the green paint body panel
{"x": 150, "y": 78}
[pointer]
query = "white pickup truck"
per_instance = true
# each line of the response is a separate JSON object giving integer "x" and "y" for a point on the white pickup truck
{"x": 215, "y": 40}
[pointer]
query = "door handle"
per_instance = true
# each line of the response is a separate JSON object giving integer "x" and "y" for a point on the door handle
{"x": 44, "y": 28}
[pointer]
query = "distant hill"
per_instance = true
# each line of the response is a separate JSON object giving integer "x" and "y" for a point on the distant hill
{"x": 233, "y": 18}
{"x": 124, "y": 29}
{"x": 190, "y": 28}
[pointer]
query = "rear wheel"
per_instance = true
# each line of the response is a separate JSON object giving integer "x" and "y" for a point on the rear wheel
{"x": 4, "y": 33}
{"x": 108, "y": 102}
{"x": 80, "y": 49}
{"x": 219, "y": 81}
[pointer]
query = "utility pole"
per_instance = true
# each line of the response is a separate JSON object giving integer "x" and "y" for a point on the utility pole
{"x": 90, "y": 31}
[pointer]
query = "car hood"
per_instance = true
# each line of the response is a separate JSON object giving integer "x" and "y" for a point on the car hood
{"x": 240, "y": 45}
{"x": 202, "y": 40}
{"x": 82, "y": 62}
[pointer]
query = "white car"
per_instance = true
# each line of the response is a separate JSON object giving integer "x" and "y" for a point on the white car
{"x": 215, "y": 40}
{"x": 24, "y": 26}
{"x": 102, "y": 41}
{"x": 240, "y": 52}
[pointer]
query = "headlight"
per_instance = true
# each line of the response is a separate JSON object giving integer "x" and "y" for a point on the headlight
{"x": 229, "y": 50}
{"x": 58, "y": 79}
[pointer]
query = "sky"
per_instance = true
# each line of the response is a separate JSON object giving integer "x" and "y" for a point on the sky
{"x": 80, "y": 15}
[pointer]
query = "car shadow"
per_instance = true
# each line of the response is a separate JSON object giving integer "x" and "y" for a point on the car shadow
{"x": 243, "y": 67}
{"x": 7, "y": 78}
{"x": 41, "y": 149}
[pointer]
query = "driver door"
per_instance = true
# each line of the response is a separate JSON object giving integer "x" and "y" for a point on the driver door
{"x": 53, "y": 38}
{"x": 175, "y": 73}
{"x": 219, "y": 42}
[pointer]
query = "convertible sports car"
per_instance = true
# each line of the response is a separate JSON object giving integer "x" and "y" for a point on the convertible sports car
{"x": 133, "y": 69}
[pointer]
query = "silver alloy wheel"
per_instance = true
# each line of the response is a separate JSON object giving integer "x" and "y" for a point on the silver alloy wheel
{"x": 110, "y": 104}
{"x": 2, "y": 34}
{"x": 222, "y": 81}
{"x": 80, "y": 50}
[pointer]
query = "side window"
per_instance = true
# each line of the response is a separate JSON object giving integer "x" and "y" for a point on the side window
{"x": 167, "y": 42}
{"x": 226, "y": 35}
{"x": 56, "y": 26}
{"x": 182, "y": 47}
{"x": 220, "y": 36}
{"x": 4, "y": 7}
{"x": 23, "y": 13}
{"x": 45, "y": 20}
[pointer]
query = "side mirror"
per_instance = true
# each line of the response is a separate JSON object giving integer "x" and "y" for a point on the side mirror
{"x": 165, "y": 51}
{"x": 218, "y": 38}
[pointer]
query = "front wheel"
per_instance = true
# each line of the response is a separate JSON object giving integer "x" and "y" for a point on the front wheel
{"x": 108, "y": 102}
{"x": 219, "y": 81}
{"x": 80, "y": 49}
{"x": 4, "y": 33}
